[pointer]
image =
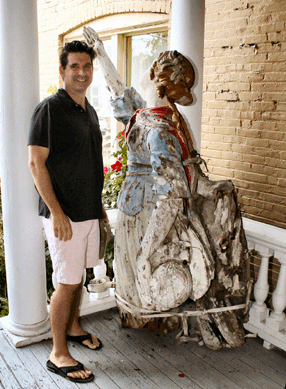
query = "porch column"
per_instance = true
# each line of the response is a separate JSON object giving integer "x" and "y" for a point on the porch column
{"x": 27, "y": 321}
{"x": 187, "y": 37}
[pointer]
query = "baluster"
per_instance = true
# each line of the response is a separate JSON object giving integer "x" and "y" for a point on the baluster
{"x": 100, "y": 270}
{"x": 259, "y": 311}
{"x": 277, "y": 319}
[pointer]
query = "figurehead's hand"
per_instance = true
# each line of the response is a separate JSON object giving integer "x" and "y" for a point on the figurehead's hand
{"x": 92, "y": 38}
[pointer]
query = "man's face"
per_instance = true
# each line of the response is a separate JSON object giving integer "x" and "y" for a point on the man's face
{"x": 78, "y": 73}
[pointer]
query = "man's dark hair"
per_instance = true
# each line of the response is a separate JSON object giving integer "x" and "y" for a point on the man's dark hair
{"x": 75, "y": 47}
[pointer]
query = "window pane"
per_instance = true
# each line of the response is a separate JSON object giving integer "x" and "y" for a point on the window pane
{"x": 100, "y": 100}
{"x": 144, "y": 51}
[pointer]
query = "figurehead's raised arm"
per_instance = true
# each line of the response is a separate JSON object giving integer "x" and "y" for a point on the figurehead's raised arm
{"x": 112, "y": 78}
{"x": 125, "y": 101}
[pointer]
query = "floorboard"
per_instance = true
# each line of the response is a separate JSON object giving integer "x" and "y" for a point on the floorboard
{"x": 34, "y": 358}
{"x": 12, "y": 371}
{"x": 186, "y": 362}
{"x": 142, "y": 357}
{"x": 137, "y": 359}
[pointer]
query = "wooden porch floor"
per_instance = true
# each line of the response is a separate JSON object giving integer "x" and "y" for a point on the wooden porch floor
{"x": 132, "y": 359}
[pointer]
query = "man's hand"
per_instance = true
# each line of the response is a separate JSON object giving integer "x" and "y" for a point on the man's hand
{"x": 105, "y": 216}
{"x": 110, "y": 73}
{"x": 61, "y": 226}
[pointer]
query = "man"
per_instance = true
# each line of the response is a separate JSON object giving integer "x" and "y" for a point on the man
{"x": 65, "y": 159}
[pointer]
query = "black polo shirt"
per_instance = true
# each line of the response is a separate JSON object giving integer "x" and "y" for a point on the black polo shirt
{"x": 75, "y": 160}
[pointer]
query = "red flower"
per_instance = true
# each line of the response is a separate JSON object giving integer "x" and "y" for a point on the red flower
{"x": 119, "y": 158}
{"x": 116, "y": 166}
{"x": 123, "y": 134}
{"x": 105, "y": 170}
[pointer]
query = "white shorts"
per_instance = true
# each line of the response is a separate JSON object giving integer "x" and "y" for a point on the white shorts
{"x": 70, "y": 258}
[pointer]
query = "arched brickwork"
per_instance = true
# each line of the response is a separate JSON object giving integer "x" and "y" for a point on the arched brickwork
{"x": 79, "y": 12}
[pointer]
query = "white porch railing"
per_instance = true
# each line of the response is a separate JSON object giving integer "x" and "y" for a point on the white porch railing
{"x": 269, "y": 325}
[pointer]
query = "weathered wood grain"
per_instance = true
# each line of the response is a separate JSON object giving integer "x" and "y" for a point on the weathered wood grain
{"x": 160, "y": 371}
{"x": 34, "y": 359}
{"x": 12, "y": 370}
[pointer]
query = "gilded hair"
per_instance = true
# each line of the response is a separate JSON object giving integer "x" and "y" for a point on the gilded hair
{"x": 174, "y": 76}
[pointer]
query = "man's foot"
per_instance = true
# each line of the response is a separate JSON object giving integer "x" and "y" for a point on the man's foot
{"x": 86, "y": 340}
{"x": 77, "y": 373}
{"x": 68, "y": 367}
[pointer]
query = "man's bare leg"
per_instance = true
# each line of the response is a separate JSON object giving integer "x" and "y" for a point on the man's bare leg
{"x": 61, "y": 308}
{"x": 74, "y": 328}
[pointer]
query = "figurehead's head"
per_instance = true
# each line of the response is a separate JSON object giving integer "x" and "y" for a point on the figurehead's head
{"x": 174, "y": 77}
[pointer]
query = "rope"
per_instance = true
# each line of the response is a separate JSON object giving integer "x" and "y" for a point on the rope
{"x": 196, "y": 160}
{"x": 146, "y": 313}
{"x": 139, "y": 173}
{"x": 132, "y": 163}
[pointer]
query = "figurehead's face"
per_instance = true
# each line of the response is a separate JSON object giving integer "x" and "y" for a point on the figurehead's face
{"x": 180, "y": 92}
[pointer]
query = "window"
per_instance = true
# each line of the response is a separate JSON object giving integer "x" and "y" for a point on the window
{"x": 145, "y": 49}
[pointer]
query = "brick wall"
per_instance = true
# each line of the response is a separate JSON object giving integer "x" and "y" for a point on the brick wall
{"x": 244, "y": 103}
{"x": 58, "y": 17}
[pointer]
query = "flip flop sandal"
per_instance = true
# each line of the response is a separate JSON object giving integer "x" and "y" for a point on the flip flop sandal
{"x": 63, "y": 371}
{"x": 80, "y": 339}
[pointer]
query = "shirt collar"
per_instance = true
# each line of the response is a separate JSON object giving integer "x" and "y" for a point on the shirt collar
{"x": 64, "y": 96}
